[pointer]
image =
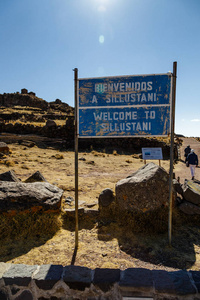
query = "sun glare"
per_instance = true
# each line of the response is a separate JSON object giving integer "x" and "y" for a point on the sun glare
{"x": 102, "y": 5}
{"x": 101, "y": 39}
{"x": 101, "y": 8}
{"x": 102, "y": 1}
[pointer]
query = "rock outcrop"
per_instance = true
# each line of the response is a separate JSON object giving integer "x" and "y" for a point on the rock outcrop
{"x": 37, "y": 176}
{"x": 29, "y": 99}
{"x": 9, "y": 176}
{"x": 189, "y": 208}
{"x": 16, "y": 197}
{"x": 16, "y": 99}
{"x": 191, "y": 192}
{"x": 190, "y": 203}
{"x": 28, "y": 109}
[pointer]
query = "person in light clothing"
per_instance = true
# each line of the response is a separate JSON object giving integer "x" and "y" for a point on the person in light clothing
{"x": 193, "y": 162}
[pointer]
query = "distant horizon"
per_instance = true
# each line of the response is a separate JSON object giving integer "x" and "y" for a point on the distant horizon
{"x": 176, "y": 134}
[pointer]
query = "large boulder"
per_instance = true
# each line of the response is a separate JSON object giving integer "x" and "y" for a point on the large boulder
{"x": 145, "y": 190}
{"x": 18, "y": 196}
{"x": 191, "y": 192}
{"x": 189, "y": 208}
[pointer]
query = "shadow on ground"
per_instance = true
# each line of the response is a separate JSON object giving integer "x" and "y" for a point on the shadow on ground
{"x": 83, "y": 223}
{"x": 23, "y": 232}
{"x": 154, "y": 248}
{"x": 146, "y": 238}
{"x": 11, "y": 249}
{"x": 146, "y": 245}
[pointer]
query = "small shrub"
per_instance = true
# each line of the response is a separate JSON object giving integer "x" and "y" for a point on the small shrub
{"x": 9, "y": 163}
{"x": 25, "y": 167}
{"x": 95, "y": 153}
{"x": 58, "y": 156}
{"x": 129, "y": 161}
{"x": 91, "y": 162}
{"x": 136, "y": 156}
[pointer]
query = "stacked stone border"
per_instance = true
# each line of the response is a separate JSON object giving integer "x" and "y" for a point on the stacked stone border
{"x": 55, "y": 282}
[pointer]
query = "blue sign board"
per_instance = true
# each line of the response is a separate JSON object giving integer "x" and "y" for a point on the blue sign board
{"x": 124, "y": 106}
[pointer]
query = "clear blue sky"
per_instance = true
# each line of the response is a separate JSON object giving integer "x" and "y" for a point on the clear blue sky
{"x": 42, "y": 41}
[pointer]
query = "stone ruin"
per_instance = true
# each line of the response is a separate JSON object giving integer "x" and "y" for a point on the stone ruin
{"x": 24, "y": 91}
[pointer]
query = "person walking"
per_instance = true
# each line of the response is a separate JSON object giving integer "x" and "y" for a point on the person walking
{"x": 192, "y": 159}
{"x": 187, "y": 151}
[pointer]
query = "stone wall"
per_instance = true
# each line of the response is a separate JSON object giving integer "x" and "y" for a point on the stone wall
{"x": 55, "y": 282}
{"x": 65, "y": 132}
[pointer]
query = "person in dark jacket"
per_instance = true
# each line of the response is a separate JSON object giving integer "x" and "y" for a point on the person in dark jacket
{"x": 187, "y": 151}
{"x": 193, "y": 162}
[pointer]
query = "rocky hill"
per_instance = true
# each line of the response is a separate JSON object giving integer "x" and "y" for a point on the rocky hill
{"x": 26, "y": 116}
{"x": 27, "y": 101}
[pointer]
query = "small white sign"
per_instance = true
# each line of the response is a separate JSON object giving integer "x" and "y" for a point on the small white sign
{"x": 152, "y": 153}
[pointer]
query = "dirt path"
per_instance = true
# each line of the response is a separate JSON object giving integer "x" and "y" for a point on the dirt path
{"x": 180, "y": 169}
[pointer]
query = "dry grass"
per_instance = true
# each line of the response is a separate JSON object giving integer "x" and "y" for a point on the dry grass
{"x": 40, "y": 124}
{"x": 140, "y": 242}
{"x": 25, "y": 225}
